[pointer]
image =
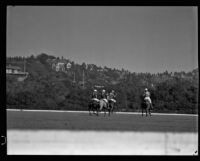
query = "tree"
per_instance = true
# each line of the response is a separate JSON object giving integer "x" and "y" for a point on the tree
{"x": 42, "y": 58}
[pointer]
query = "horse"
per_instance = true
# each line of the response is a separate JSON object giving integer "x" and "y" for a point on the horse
{"x": 104, "y": 105}
{"x": 146, "y": 105}
{"x": 93, "y": 106}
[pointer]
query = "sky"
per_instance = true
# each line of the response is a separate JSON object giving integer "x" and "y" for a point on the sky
{"x": 138, "y": 39}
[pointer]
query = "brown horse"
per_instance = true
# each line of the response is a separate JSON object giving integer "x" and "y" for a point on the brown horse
{"x": 111, "y": 105}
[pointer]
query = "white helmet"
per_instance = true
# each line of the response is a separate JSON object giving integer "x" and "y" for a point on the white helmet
{"x": 95, "y": 90}
{"x": 103, "y": 90}
{"x": 146, "y": 89}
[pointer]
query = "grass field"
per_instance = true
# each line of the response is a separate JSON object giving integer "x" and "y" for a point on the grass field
{"x": 77, "y": 133}
{"x": 117, "y": 122}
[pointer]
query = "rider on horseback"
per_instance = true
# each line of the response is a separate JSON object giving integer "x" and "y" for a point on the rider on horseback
{"x": 94, "y": 96}
{"x": 146, "y": 96}
{"x": 104, "y": 96}
{"x": 112, "y": 96}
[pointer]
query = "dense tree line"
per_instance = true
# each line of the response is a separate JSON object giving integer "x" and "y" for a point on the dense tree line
{"x": 47, "y": 89}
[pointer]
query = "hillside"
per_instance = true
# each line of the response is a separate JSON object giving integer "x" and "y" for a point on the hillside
{"x": 58, "y": 83}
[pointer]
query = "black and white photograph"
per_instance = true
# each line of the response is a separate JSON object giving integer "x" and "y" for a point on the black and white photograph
{"x": 102, "y": 80}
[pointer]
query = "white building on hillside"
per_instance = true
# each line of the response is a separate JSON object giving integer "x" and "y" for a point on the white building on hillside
{"x": 15, "y": 70}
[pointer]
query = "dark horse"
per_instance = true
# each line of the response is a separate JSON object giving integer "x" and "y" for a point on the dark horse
{"x": 93, "y": 106}
{"x": 111, "y": 105}
{"x": 145, "y": 105}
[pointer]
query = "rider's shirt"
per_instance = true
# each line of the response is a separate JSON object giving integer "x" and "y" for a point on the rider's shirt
{"x": 147, "y": 94}
{"x": 94, "y": 95}
{"x": 103, "y": 95}
{"x": 112, "y": 96}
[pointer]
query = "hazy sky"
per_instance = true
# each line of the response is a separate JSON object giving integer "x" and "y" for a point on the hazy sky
{"x": 139, "y": 39}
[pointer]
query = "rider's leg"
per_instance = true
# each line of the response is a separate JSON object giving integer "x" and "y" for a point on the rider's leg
{"x": 142, "y": 111}
{"x": 151, "y": 106}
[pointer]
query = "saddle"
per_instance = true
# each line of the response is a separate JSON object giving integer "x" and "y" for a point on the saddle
{"x": 95, "y": 99}
{"x": 113, "y": 100}
{"x": 147, "y": 99}
{"x": 105, "y": 100}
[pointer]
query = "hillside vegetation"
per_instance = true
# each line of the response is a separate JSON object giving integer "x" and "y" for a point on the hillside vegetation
{"x": 46, "y": 88}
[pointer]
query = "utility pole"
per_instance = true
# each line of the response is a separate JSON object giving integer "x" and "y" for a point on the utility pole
{"x": 74, "y": 81}
{"x": 83, "y": 79}
{"x": 24, "y": 65}
{"x": 125, "y": 99}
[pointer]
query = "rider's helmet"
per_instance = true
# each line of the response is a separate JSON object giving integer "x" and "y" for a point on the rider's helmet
{"x": 103, "y": 91}
{"x": 95, "y": 90}
{"x": 146, "y": 89}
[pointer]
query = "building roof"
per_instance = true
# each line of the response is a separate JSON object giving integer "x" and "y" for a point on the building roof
{"x": 13, "y": 67}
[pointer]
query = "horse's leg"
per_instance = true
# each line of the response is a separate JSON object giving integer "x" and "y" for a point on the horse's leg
{"x": 93, "y": 111}
{"x": 142, "y": 111}
{"x": 109, "y": 110}
{"x": 112, "y": 108}
{"x": 149, "y": 111}
{"x": 89, "y": 108}
{"x": 146, "y": 111}
{"x": 108, "y": 107}
{"x": 151, "y": 106}
{"x": 97, "y": 111}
